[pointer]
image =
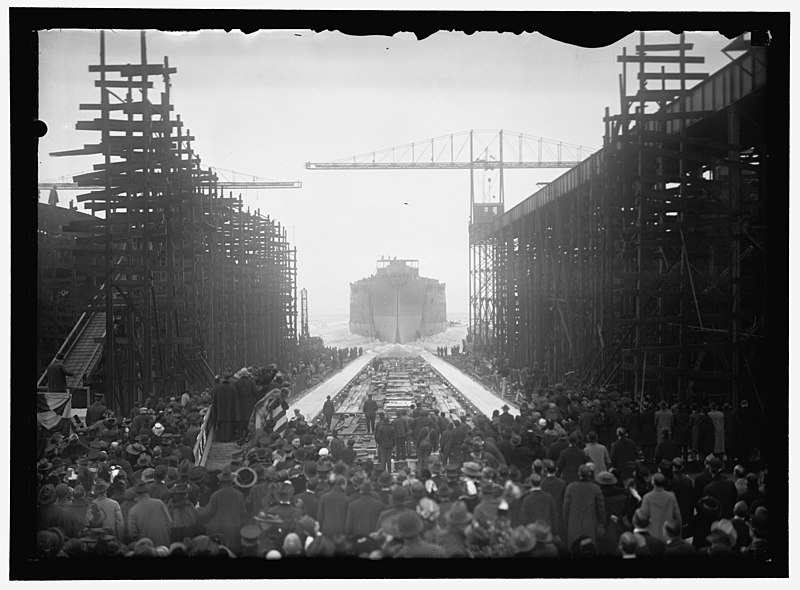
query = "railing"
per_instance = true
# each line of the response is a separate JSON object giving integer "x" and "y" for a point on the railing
{"x": 205, "y": 439}
{"x": 73, "y": 337}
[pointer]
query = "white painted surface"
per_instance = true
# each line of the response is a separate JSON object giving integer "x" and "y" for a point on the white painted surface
{"x": 311, "y": 403}
{"x": 483, "y": 399}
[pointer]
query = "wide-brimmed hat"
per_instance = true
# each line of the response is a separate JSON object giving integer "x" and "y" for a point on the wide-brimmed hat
{"x": 436, "y": 467}
{"x": 385, "y": 479}
{"x": 400, "y": 495}
{"x": 185, "y": 467}
{"x": 44, "y": 465}
{"x": 471, "y": 469}
{"x": 323, "y": 467}
{"x": 407, "y": 525}
{"x": 458, "y": 514}
{"x": 134, "y": 449}
{"x": 605, "y": 478}
{"x": 268, "y": 517}
{"x": 262, "y": 453}
{"x": 245, "y": 477}
{"x": 141, "y": 487}
{"x": 522, "y": 539}
{"x": 149, "y": 475}
{"x": 46, "y": 495}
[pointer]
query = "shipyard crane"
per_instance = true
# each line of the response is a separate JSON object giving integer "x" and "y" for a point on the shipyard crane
{"x": 468, "y": 150}
{"x": 254, "y": 184}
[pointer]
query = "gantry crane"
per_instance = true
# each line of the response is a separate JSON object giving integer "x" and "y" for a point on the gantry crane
{"x": 468, "y": 150}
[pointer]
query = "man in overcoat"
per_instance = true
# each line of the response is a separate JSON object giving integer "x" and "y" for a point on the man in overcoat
{"x": 584, "y": 507}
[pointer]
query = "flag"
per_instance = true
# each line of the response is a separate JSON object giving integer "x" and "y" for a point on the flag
{"x": 51, "y": 407}
{"x": 270, "y": 408}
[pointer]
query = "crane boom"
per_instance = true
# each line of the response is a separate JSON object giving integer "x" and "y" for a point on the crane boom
{"x": 223, "y": 184}
{"x": 477, "y": 164}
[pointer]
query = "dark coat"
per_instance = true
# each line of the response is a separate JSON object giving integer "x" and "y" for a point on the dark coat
{"x": 723, "y": 490}
{"x": 569, "y": 461}
{"x": 384, "y": 435}
{"x": 328, "y": 408}
{"x": 682, "y": 488}
{"x": 94, "y": 413}
{"x": 623, "y": 456}
{"x": 225, "y": 515}
{"x": 678, "y": 548}
{"x": 701, "y": 480}
{"x": 332, "y": 512}
{"x": 246, "y": 397}
{"x": 539, "y": 505}
{"x": 149, "y": 518}
{"x": 224, "y": 411}
{"x": 362, "y": 515}
{"x": 400, "y": 427}
{"x": 57, "y": 376}
{"x": 584, "y": 509}
{"x": 681, "y": 428}
{"x": 310, "y": 503}
{"x": 555, "y": 486}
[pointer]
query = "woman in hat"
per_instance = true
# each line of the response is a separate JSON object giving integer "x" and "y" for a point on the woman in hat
{"x": 185, "y": 521}
{"x": 225, "y": 513}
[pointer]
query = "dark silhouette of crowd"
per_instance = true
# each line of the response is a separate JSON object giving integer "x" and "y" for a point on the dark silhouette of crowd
{"x": 566, "y": 476}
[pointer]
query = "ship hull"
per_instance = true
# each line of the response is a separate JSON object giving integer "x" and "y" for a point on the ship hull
{"x": 397, "y": 309}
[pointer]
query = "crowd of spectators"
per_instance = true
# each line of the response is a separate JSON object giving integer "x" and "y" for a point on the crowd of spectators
{"x": 564, "y": 478}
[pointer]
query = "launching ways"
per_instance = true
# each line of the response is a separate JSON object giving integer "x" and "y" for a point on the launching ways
{"x": 421, "y": 378}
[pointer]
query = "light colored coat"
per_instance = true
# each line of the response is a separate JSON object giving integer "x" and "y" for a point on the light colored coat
{"x": 660, "y": 505}
{"x": 112, "y": 515}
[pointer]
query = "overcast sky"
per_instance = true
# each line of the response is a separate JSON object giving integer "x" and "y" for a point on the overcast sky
{"x": 266, "y": 103}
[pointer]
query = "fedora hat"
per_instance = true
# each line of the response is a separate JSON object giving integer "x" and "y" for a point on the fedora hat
{"x": 149, "y": 475}
{"x": 436, "y": 467}
{"x": 44, "y": 465}
{"x": 245, "y": 477}
{"x": 605, "y": 478}
{"x": 100, "y": 487}
{"x": 140, "y": 487}
{"x": 197, "y": 474}
{"x": 522, "y": 539}
{"x": 458, "y": 514}
{"x": 400, "y": 495}
{"x": 385, "y": 479}
{"x": 471, "y": 469}
{"x": 46, "y": 495}
{"x": 408, "y": 525}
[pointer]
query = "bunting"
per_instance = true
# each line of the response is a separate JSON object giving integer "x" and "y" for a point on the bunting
{"x": 51, "y": 407}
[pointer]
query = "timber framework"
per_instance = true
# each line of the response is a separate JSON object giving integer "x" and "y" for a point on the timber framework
{"x": 644, "y": 265}
{"x": 168, "y": 281}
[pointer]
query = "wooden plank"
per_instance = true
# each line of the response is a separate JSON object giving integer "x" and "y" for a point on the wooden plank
{"x": 126, "y": 70}
{"x": 672, "y": 75}
{"x": 123, "y": 84}
{"x": 688, "y": 59}
{"x": 664, "y": 47}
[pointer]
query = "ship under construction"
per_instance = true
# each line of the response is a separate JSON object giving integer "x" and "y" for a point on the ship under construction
{"x": 396, "y": 304}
